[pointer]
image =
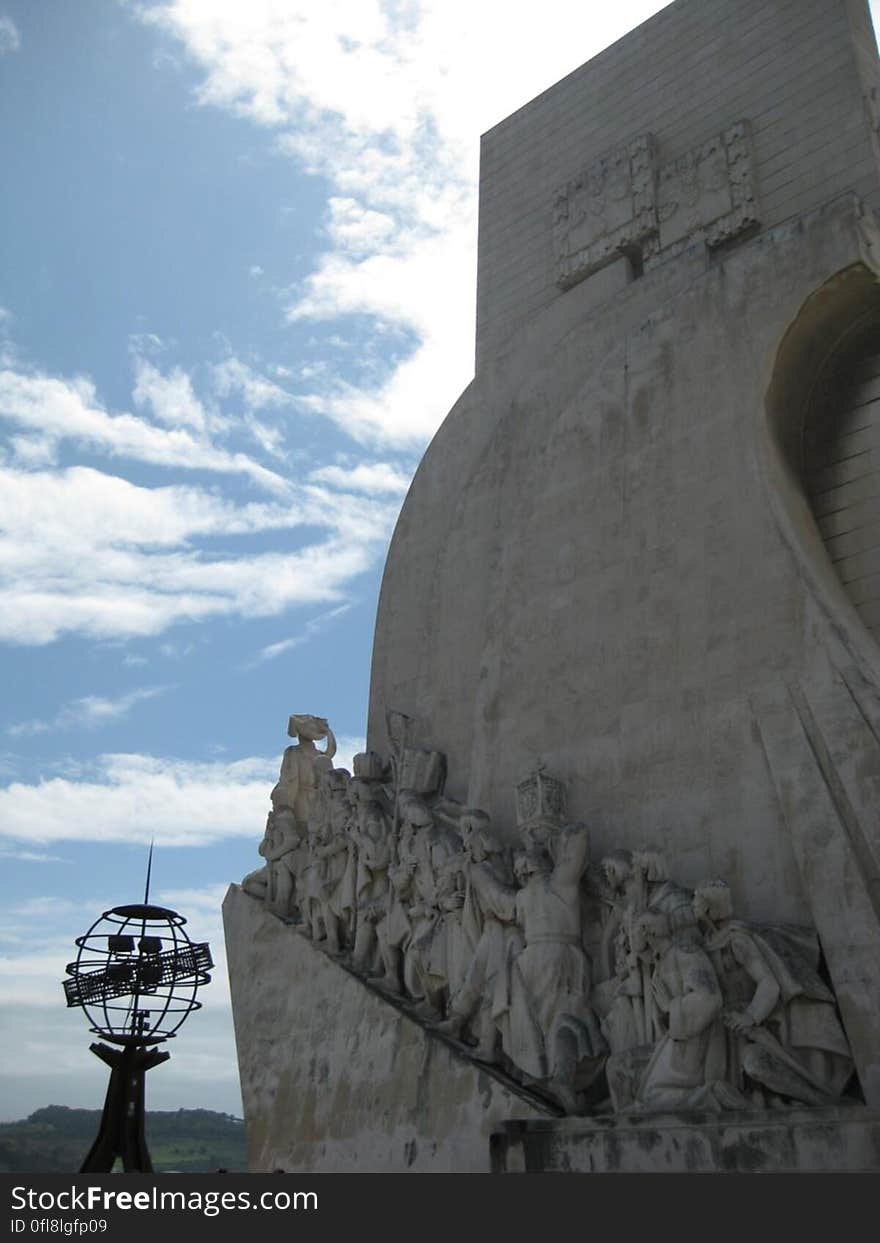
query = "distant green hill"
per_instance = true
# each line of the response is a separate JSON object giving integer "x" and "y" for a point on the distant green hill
{"x": 55, "y": 1140}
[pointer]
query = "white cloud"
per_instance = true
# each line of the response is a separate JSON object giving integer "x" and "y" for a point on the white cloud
{"x": 270, "y": 439}
{"x": 171, "y": 397}
{"x": 68, "y": 409}
{"x": 89, "y": 712}
{"x": 356, "y": 229}
{"x": 370, "y": 477}
{"x": 34, "y": 451}
{"x": 386, "y": 102}
{"x": 140, "y": 798}
{"x": 89, "y": 553}
{"x": 136, "y": 798}
{"x": 10, "y": 39}
{"x": 234, "y": 376}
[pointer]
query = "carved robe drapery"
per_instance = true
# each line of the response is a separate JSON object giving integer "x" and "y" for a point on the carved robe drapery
{"x": 691, "y": 1056}
{"x": 548, "y": 984}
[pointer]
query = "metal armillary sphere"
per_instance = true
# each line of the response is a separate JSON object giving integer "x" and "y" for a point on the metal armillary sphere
{"x": 136, "y": 976}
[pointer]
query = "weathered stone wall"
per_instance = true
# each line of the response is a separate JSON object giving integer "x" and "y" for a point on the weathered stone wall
{"x": 334, "y": 1078}
{"x": 800, "y": 70}
{"x": 799, "y": 1140}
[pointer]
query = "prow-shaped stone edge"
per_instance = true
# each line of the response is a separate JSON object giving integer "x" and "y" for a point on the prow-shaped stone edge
{"x": 338, "y": 1075}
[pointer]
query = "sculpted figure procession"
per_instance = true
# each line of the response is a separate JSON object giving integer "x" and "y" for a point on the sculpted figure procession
{"x": 600, "y": 984}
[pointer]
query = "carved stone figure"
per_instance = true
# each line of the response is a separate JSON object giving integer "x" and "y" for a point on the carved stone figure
{"x": 688, "y": 1065}
{"x": 282, "y": 848}
{"x": 256, "y": 883}
{"x": 547, "y": 1022}
{"x": 342, "y": 897}
{"x": 331, "y": 886}
{"x": 488, "y": 935}
{"x": 692, "y": 1008}
{"x": 373, "y": 839}
{"x": 632, "y": 1023}
{"x": 394, "y": 932}
{"x": 639, "y": 881}
{"x": 783, "y": 1033}
{"x": 620, "y": 1001}
{"x": 433, "y": 952}
{"x": 301, "y": 764}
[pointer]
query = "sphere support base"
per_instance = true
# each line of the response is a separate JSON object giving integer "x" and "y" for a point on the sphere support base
{"x": 121, "y": 1133}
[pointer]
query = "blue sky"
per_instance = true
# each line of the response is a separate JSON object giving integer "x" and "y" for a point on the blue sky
{"x": 236, "y": 299}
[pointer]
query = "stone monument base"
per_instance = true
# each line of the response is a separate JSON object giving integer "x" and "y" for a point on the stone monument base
{"x": 766, "y": 1141}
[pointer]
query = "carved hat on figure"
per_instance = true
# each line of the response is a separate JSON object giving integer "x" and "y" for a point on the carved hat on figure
{"x": 369, "y": 766}
{"x": 304, "y": 725}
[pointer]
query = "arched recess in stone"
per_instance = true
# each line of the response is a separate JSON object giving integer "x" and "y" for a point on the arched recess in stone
{"x": 820, "y": 451}
{"x": 841, "y": 464}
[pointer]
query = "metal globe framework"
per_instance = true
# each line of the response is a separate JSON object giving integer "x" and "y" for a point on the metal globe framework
{"x": 136, "y": 974}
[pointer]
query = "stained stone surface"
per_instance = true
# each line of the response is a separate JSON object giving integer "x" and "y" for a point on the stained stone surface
{"x": 800, "y": 1140}
{"x": 333, "y": 1078}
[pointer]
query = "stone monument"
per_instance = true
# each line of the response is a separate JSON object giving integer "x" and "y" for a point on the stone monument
{"x": 604, "y": 891}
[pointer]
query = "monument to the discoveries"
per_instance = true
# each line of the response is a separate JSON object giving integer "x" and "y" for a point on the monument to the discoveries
{"x": 613, "y": 851}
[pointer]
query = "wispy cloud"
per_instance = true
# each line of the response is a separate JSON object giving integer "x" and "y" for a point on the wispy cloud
{"x": 370, "y": 477}
{"x": 58, "y": 409}
{"x": 10, "y": 39}
{"x": 90, "y": 553}
{"x": 138, "y": 798}
{"x": 309, "y": 630}
{"x": 233, "y": 376}
{"x": 135, "y": 798}
{"x": 90, "y": 712}
{"x": 30, "y": 856}
{"x": 171, "y": 397}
